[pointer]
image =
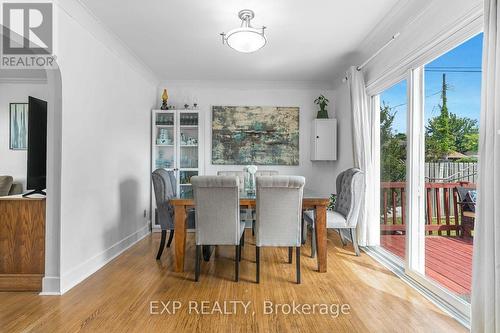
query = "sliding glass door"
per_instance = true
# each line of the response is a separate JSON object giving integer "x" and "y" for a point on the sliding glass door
{"x": 429, "y": 125}
{"x": 393, "y": 141}
{"x": 452, "y": 110}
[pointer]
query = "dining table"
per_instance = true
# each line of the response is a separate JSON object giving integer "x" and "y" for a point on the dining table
{"x": 311, "y": 200}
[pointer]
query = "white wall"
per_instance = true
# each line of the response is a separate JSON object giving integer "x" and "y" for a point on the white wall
{"x": 13, "y": 162}
{"x": 107, "y": 96}
{"x": 320, "y": 176}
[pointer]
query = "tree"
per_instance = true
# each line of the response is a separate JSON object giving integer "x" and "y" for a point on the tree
{"x": 439, "y": 137}
{"x": 466, "y": 133}
{"x": 448, "y": 132}
{"x": 392, "y": 146}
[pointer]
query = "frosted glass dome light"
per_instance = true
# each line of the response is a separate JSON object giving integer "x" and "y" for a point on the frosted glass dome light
{"x": 245, "y": 39}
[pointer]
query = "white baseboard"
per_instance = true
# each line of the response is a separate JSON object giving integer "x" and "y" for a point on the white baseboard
{"x": 51, "y": 285}
{"x": 92, "y": 265}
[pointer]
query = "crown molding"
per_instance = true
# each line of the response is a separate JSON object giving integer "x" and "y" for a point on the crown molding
{"x": 247, "y": 84}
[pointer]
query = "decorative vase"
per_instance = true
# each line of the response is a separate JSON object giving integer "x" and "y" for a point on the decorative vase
{"x": 250, "y": 179}
{"x": 164, "y": 98}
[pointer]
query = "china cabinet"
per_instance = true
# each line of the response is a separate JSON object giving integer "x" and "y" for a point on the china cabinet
{"x": 175, "y": 145}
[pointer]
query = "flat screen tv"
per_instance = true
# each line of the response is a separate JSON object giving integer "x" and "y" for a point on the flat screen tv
{"x": 37, "y": 146}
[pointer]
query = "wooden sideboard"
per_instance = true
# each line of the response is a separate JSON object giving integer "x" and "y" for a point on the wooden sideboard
{"x": 22, "y": 243}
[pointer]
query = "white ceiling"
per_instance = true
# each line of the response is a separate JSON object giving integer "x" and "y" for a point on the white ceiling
{"x": 179, "y": 39}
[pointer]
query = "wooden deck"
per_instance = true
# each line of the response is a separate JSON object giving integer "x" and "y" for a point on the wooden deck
{"x": 448, "y": 260}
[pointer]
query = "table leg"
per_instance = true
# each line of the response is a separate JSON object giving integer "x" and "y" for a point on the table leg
{"x": 180, "y": 237}
{"x": 321, "y": 238}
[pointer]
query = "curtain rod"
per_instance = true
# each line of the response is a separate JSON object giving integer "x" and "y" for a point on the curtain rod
{"x": 360, "y": 67}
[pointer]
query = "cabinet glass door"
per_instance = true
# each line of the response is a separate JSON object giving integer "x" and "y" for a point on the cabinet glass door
{"x": 164, "y": 141}
{"x": 188, "y": 150}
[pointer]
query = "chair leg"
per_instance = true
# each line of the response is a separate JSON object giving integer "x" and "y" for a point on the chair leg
{"x": 162, "y": 244}
{"x": 257, "y": 261}
{"x": 342, "y": 239}
{"x": 237, "y": 263}
{"x": 354, "y": 241}
{"x": 314, "y": 244}
{"x": 253, "y": 227}
{"x": 197, "y": 263}
{"x": 242, "y": 240}
{"x": 170, "y": 237}
{"x": 304, "y": 231}
{"x": 297, "y": 262}
{"x": 207, "y": 251}
{"x": 290, "y": 252}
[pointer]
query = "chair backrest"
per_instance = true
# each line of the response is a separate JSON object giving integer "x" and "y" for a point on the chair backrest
{"x": 279, "y": 210}
{"x": 164, "y": 191}
{"x": 217, "y": 201}
{"x": 266, "y": 173}
{"x": 239, "y": 174}
{"x": 350, "y": 189}
{"x": 466, "y": 202}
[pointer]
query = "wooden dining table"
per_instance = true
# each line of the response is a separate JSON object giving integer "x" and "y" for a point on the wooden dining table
{"x": 310, "y": 200}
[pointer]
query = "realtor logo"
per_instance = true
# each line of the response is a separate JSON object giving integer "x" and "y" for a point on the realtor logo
{"x": 27, "y": 39}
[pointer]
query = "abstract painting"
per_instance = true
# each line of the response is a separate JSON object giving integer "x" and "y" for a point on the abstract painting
{"x": 243, "y": 135}
{"x": 18, "y": 126}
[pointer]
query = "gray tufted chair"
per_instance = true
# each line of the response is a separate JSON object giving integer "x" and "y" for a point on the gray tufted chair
{"x": 350, "y": 188}
{"x": 165, "y": 187}
{"x": 247, "y": 214}
{"x": 266, "y": 173}
{"x": 217, "y": 201}
{"x": 279, "y": 212}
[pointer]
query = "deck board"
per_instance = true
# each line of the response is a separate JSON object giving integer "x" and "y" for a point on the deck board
{"x": 448, "y": 260}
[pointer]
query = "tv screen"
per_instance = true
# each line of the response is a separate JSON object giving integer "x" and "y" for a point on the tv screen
{"x": 37, "y": 145}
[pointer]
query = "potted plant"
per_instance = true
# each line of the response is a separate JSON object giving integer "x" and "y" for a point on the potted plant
{"x": 322, "y": 101}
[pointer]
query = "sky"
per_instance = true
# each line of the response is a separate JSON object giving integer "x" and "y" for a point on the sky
{"x": 462, "y": 66}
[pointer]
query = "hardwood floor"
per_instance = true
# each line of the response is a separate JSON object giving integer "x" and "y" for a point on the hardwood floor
{"x": 118, "y": 297}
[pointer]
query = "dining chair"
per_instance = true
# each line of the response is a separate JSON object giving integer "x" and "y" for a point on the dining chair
{"x": 165, "y": 185}
{"x": 246, "y": 214}
{"x": 239, "y": 174}
{"x": 217, "y": 201}
{"x": 279, "y": 212}
{"x": 350, "y": 186}
{"x": 266, "y": 173}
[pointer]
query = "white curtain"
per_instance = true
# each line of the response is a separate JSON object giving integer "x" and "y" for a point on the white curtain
{"x": 363, "y": 128}
{"x": 485, "y": 303}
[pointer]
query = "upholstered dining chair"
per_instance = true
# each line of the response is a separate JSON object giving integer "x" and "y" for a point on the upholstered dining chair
{"x": 165, "y": 185}
{"x": 266, "y": 173}
{"x": 217, "y": 201}
{"x": 350, "y": 186}
{"x": 246, "y": 214}
{"x": 239, "y": 174}
{"x": 279, "y": 215}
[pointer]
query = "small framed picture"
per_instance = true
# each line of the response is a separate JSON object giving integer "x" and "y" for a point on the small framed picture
{"x": 18, "y": 126}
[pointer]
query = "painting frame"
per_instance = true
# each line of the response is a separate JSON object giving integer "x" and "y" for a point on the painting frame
{"x": 18, "y": 126}
{"x": 260, "y": 135}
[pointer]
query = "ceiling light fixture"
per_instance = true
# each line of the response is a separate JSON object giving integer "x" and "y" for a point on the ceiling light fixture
{"x": 246, "y": 38}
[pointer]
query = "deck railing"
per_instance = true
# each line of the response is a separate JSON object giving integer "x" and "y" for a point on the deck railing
{"x": 442, "y": 210}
